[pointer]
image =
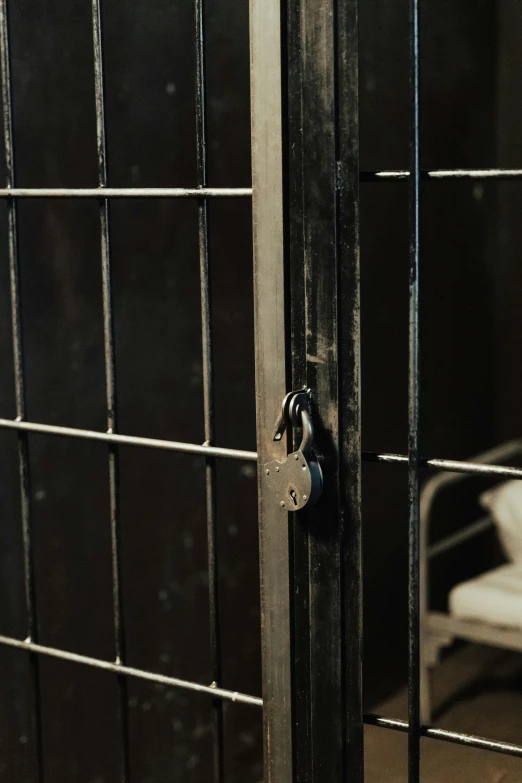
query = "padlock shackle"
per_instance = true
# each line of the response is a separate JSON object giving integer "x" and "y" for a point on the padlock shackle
{"x": 308, "y": 431}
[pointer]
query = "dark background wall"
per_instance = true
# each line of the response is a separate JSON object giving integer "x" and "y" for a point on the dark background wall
{"x": 471, "y": 381}
{"x": 458, "y": 126}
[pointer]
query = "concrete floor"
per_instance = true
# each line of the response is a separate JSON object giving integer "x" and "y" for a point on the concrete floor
{"x": 476, "y": 690}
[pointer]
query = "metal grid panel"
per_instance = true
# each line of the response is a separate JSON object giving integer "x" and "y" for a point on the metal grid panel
{"x": 103, "y": 194}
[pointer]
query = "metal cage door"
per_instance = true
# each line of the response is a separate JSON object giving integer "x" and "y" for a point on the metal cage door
{"x": 305, "y": 183}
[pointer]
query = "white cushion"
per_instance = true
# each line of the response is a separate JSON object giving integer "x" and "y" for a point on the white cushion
{"x": 504, "y": 502}
{"x": 494, "y": 597}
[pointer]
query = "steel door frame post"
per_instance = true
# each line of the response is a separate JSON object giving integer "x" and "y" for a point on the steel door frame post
{"x": 271, "y": 375}
{"x": 306, "y": 271}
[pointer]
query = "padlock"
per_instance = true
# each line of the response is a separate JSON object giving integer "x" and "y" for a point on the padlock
{"x": 296, "y": 481}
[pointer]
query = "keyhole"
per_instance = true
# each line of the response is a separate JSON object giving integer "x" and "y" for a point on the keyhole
{"x": 293, "y": 496}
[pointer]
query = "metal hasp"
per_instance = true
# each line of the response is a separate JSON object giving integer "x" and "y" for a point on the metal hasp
{"x": 297, "y": 481}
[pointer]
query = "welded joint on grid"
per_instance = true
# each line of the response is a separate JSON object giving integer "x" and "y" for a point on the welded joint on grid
{"x": 234, "y": 696}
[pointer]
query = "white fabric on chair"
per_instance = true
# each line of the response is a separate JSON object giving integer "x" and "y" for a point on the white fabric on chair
{"x": 494, "y": 597}
{"x": 504, "y": 502}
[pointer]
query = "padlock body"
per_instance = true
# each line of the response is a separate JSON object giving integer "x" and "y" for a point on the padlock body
{"x": 295, "y": 482}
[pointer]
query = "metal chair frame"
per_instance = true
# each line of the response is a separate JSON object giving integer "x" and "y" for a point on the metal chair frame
{"x": 440, "y": 629}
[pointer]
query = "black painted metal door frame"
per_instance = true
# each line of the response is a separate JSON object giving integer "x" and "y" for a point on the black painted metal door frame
{"x": 306, "y": 257}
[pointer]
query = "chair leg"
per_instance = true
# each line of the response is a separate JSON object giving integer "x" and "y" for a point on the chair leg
{"x": 431, "y": 645}
{"x": 425, "y": 692}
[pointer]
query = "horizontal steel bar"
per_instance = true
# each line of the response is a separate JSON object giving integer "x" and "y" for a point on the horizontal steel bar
{"x": 129, "y": 671}
{"x": 222, "y": 693}
{"x": 379, "y": 176}
{"x": 453, "y": 466}
{"x": 103, "y": 192}
{"x": 449, "y": 465}
{"x": 456, "y": 737}
{"x": 450, "y": 542}
{"x": 457, "y": 466}
{"x": 374, "y": 456}
{"x": 129, "y": 440}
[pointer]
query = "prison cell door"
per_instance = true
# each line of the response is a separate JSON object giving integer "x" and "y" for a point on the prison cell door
{"x": 304, "y": 123}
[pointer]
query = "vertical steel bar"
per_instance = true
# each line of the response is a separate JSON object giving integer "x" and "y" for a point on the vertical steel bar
{"x": 323, "y": 252}
{"x": 350, "y": 481}
{"x": 19, "y": 377}
{"x": 413, "y": 410}
{"x": 110, "y": 379}
{"x": 208, "y": 385}
{"x": 314, "y": 292}
{"x": 271, "y": 372}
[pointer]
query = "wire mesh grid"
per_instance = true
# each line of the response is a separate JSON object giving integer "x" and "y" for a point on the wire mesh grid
{"x": 113, "y": 438}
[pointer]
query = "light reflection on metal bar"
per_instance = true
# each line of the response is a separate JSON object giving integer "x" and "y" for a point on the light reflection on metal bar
{"x": 106, "y": 192}
{"x": 379, "y": 176}
{"x": 110, "y": 380}
{"x": 108, "y": 329}
{"x": 208, "y": 388}
{"x": 449, "y": 465}
{"x": 130, "y": 671}
{"x": 414, "y": 458}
